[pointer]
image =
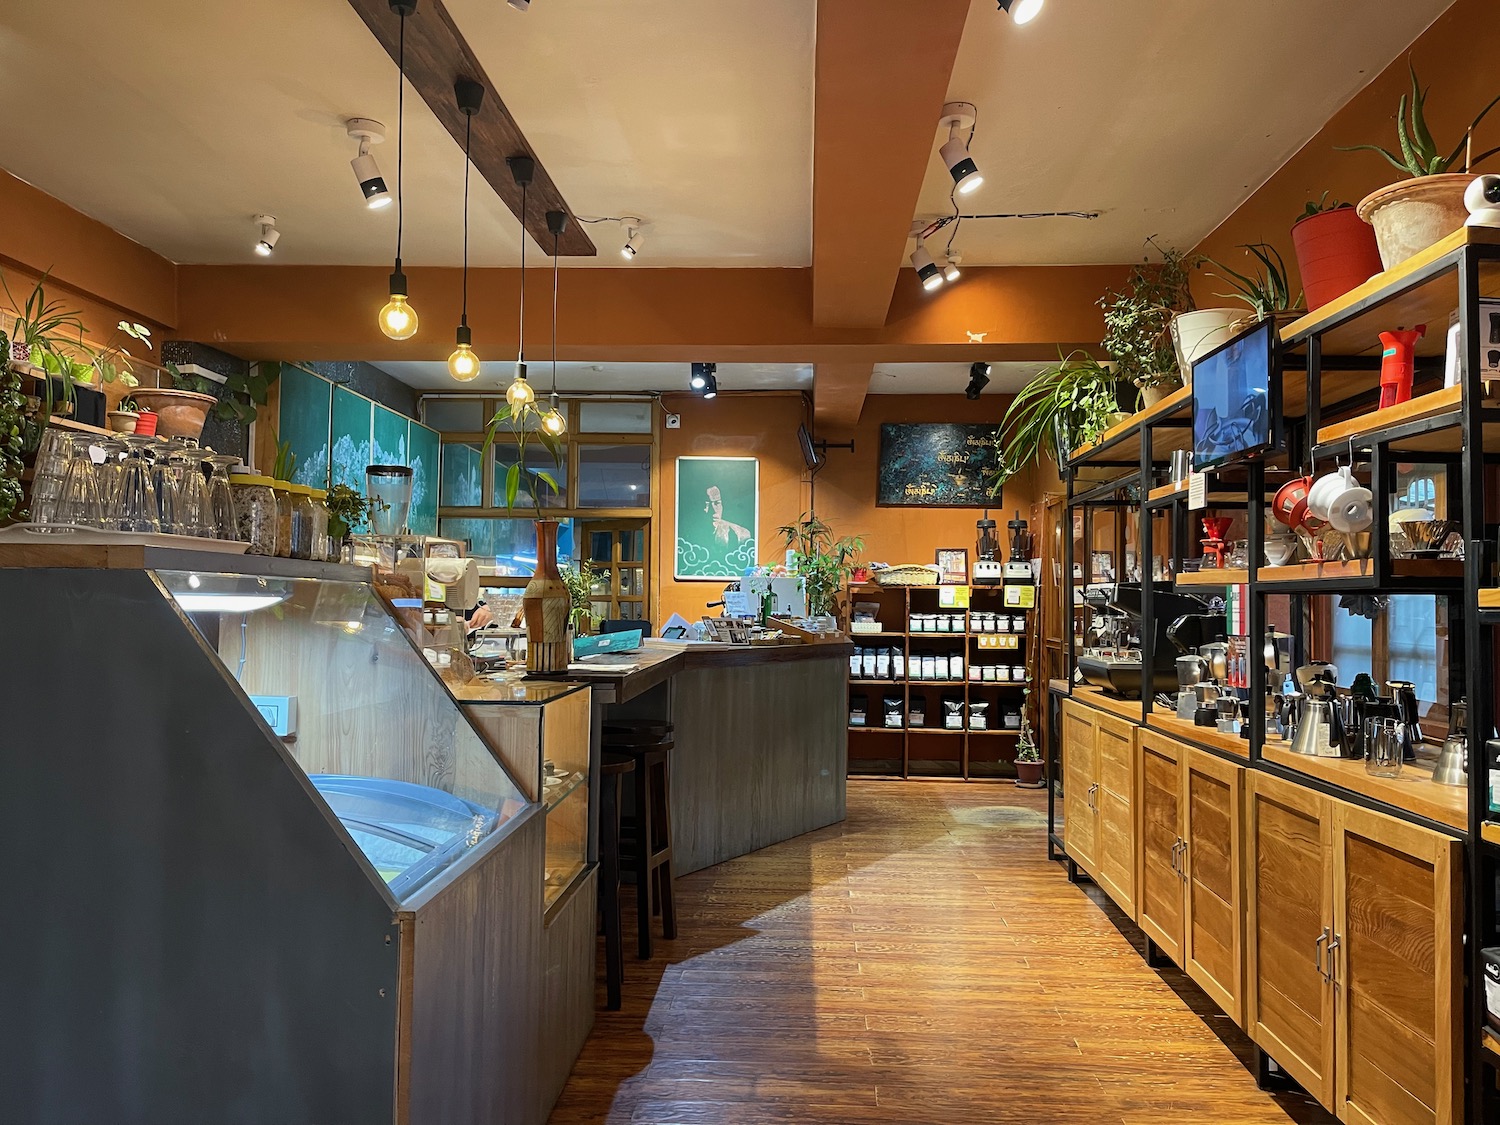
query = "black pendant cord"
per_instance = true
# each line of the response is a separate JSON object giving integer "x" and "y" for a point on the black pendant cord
{"x": 521, "y": 353}
{"x": 400, "y": 133}
{"x": 555, "y": 237}
{"x": 463, "y": 317}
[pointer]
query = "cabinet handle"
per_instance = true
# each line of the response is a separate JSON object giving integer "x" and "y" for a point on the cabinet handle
{"x": 1318, "y": 952}
{"x": 1175, "y": 846}
{"x": 1182, "y": 861}
{"x": 1333, "y": 944}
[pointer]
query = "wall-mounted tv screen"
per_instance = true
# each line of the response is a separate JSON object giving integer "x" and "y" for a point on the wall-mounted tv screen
{"x": 1233, "y": 390}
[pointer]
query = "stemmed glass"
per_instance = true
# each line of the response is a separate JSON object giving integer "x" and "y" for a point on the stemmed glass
{"x": 135, "y": 501}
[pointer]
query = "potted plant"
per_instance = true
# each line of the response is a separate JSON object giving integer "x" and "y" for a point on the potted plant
{"x": 1411, "y": 215}
{"x": 181, "y": 409}
{"x": 1335, "y": 250}
{"x": 1028, "y": 758}
{"x": 1268, "y": 292}
{"x": 546, "y": 604}
{"x": 46, "y": 341}
{"x": 124, "y": 418}
{"x": 1066, "y": 406}
{"x": 823, "y": 562}
{"x": 580, "y": 582}
{"x": 347, "y": 509}
{"x": 1138, "y": 324}
{"x": 12, "y": 433}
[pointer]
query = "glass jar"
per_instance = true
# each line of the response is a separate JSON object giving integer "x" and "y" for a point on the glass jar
{"x": 1384, "y": 751}
{"x": 256, "y": 512}
{"x": 300, "y": 524}
{"x": 321, "y": 546}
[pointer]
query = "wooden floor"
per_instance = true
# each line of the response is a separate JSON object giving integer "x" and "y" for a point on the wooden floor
{"x": 921, "y": 963}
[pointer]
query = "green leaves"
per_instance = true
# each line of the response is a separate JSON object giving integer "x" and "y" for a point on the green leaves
{"x": 1419, "y": 154}
{"x": 1073, "y": 399}
{"x": 1266, "y": 292}
{"x": 517, "y": 422}
{"x": 12, "y": 424}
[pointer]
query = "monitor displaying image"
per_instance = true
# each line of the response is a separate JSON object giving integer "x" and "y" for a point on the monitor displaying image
{"x": 1232, "y": 399}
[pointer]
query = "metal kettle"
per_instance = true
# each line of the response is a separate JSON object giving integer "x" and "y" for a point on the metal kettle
{"x": 1315, "y": 735}
{"x": 1404, "y": 692}
{"x": 1453, "y": 759}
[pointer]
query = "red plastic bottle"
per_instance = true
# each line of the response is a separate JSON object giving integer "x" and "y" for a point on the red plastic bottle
{"x": 1396, "y": 363}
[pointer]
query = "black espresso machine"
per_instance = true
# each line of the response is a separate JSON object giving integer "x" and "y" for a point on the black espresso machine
{"x": 1119, "y": 671}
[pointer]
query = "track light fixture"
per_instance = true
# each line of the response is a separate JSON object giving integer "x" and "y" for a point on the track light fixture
{"x": 1022, "y": 11}
{"x": 927, "y": 270}
{"x": 463, "y": 364}
{"x": 398, "y": 319}
{"x": 269, "y": 235}
{"x": 632, "y": 245}
{"x": 951, "y": 271}
{"x": 519, "y": 5}
{"x": 553, "y": 421}
{"x": 519, "y": 394}
{"x": 702, "y": 373}
{"x": 979, "y": 378}
{"x": 960, "y": 118}
{"x": 711, "y": 386}
{"x": 366, "y": 171}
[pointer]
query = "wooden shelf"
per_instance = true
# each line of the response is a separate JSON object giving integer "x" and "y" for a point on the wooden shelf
{"x": 883, "y": 633}
{"x": 934, "y": 730}
{"x": 1491, "y": 1043}
{"x": 881, "y": 730}
{"x": 1414, "y": 791}
{"x": 1213, "y": 576}
{"x": 1423, "y": 406}
{"x": 1490, "y": 830}
{"x": 1489, "y": 598}
{"x": 1360, "y": 568}
{"x": 1012, "y": 733}
{"x": 936, "y": 683}
{"x": 862, "y": 682}
{"x": 1427, "y": 303}
{"x": 1095, "y": 697}
{"x": 1168, "y": 723}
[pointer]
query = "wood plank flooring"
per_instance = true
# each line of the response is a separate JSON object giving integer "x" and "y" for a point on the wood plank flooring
{"x": 921, "y": 962}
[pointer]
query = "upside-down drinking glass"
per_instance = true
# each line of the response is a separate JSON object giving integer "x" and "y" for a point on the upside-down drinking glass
{"x": 135, "y": 502}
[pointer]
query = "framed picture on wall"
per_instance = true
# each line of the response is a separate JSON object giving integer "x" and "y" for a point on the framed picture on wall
{"x": 938, "y": 465}
{"x": 954, "y": 563}
{"x": 718, "y": 512}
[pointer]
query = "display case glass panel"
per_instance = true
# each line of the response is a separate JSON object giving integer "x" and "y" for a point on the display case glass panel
{"x": 378, "y": 735}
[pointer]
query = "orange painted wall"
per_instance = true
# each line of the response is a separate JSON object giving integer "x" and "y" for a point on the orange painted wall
{"x": 1455, "y": 59}
{"x": 765, "y": 426}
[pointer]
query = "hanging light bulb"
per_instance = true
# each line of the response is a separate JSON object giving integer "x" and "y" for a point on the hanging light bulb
{"x": 463, "y": 364}
{"x": 398, "y": 319}
{"x": 519, "y": 394}
{"x": 553, "y": 421}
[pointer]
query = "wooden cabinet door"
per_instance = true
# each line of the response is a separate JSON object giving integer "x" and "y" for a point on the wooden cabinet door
{"x": 1398, "y": 915}
{"x": 1288, "y": 908}
{"x": 1158, "y": 816}
{"x": 1078, "y": 783}
{"x": 1212, "y": 796}
{"x": 1114, "y": 844}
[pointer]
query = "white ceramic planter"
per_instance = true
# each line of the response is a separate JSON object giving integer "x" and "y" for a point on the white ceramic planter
{"x": 1194, "y": 334}
{"x": 1411, "y": 215}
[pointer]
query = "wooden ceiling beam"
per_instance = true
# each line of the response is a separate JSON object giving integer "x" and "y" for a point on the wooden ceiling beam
{"x": 436, "y": 56}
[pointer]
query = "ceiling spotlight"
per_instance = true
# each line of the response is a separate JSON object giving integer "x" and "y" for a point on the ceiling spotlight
{"x": 927, "y": 270}
{"x": 979, "y": 378}
{"x": 269, "y": 235}
{"x": 702, "y": 373}
{"x": 632, "y": 245}
{"x": 960, "y": 117}
{"x": 951, "y": 271}
{"x": 519, "y": 5}
{"x": 1022, "y": 11}
{"x": 366, "y": 171}
{"x": 711, "y": 386}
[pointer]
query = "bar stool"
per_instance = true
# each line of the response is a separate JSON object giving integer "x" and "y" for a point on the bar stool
{"x": 616, "y": 766}
{"x": 646, "y": 847}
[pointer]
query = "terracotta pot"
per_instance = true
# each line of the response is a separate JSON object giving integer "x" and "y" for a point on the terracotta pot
{"x": 1154, "y": 393}
{"x": 1029, "y": 774}
{"x": 546, "y": 606}
{"x": 123, "y": 421}
{"x": 1336, "y": 252}
{"x": 145, "y": 423}
{"x": 1410, "y": 216}
{"x": 179, "y": 413}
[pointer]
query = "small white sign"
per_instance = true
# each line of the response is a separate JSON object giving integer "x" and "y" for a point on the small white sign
{"x": 1197, "y": 491}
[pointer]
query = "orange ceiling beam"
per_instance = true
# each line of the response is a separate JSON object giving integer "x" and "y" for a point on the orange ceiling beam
{"x": 625, "y": 315}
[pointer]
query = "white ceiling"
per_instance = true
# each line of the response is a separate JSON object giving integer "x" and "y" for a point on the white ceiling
{"x": 1165, "y": 115}
{"x": 617, "y": 378}
{"x": 174, "y": 121}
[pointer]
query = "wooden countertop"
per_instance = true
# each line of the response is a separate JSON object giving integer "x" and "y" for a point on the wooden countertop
{"x": 1414, "y": 790}
{"x": 514, "y": 690}
{"x": 1164, "y": 721}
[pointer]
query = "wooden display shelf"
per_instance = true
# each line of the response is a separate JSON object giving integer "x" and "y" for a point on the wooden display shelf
{"x": 1490, "y": 830}
{"x": 1423, "y": 406}
{"x": 1168, "y": 491}
{"x": 1491, "y": 1043}
{"x": 1359, "y": 568}
{"x": 1095, "y": 697}
{"x": 1180, "y": 399}
{"x": 856, "y": 637}
{"x": 879, "y": 730}
{"x": 862, "y": 682}
{"x": 1168, "y": 723}
{"x": 1428, "y": 302}
{"x": 1489, "y": 598}
{"x": 1414, "y": 791}
{"x": 935, "y": 730}
{"x": 1213, "y": 576}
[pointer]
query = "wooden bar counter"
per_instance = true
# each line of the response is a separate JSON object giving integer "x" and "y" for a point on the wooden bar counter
{"x": 761, "y": 746}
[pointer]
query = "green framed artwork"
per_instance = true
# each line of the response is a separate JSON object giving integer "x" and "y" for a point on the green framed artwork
{"x": 388, "y": 435}
{"x": 718, "y": 513}
{"x": 422, "y": 448}
{"x": 350, "y": 451}
{"x": 304, "y": 417}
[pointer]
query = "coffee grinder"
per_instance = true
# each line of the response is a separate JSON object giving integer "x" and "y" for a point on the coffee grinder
{"x": 988, "y": 569}
{"x": 1018, "y": 568}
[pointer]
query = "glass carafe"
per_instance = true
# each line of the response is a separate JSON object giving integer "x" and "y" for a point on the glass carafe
{"x": 135, "y": 503}
{"x": 221, "y": 495}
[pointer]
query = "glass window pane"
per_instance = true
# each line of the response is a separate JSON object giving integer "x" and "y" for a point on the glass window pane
{"x": 633, "y": 546}
{"x": 462, "y": 476}
{"x": 392, "y": 756}
{"x": 630, "y": 611}
{"x": 454, "y": 415}
{"x": 631, "y": 584}
{"x": 600, "y": 610}
{"x": 538, "y": 460}
{"x": 507, "y": 544}
{"x": 614, "y": 417}
{"x": 614, "y": 476}
{"x": 601, "y": 546}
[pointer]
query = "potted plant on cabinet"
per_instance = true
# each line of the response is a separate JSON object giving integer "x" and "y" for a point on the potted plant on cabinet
{"x": 1067, "y": 405}
{"x": 182, "y": 408}
{"x": 1138, "y": 324}
{"x": 124, "y": 418}
{"x": 1268, "y": 291}
{"x": 347, "y": 509}
{"x": 546, "y": 604}
{"x": 1411, "y": 215}
{"x": 1335, "y": 250}
{"x": 822, "y": 561}
{"x": 12, "y": 433}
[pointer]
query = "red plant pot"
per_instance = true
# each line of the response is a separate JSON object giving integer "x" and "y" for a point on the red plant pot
{"x": 1336, "y": 251}
{"x": 861, "y": 575}
{"x": 145, "y": 425}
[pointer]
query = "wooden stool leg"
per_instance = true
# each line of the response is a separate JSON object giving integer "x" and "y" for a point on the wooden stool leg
{"x": 643, "y": 843}
{"x": 664, "y": 869}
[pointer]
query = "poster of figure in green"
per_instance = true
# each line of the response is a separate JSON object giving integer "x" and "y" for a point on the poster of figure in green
{"x": 718, "y": 510}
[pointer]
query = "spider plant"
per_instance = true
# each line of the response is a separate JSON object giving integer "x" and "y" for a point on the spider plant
{"x": 1267, "y": 291}
{"x": 52, "y": 334}
{"x": 1419, "y": 155}
{"x": 1067, "y": 405}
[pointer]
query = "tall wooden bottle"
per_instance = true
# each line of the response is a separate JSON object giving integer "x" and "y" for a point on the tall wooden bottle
{"x": 546, "y": 606}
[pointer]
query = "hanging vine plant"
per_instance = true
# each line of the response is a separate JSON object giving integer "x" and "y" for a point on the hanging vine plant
{"x": 12, "y": 430}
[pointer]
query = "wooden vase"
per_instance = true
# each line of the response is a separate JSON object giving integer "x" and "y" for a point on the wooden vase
{"x": 546, "y": 606}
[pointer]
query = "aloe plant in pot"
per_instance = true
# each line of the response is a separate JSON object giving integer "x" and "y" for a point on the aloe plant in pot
{"x": 1412, "y": 214}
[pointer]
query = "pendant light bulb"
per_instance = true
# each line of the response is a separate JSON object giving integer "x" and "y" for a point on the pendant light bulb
{"x": 553, "y": 421}
{"x": 463, "y": 364}
{"x": 519, "y": 394}
{"x": 398, "y": 320}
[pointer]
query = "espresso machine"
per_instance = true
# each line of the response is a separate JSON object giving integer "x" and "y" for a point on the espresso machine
{"x": 988, "y": 569}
